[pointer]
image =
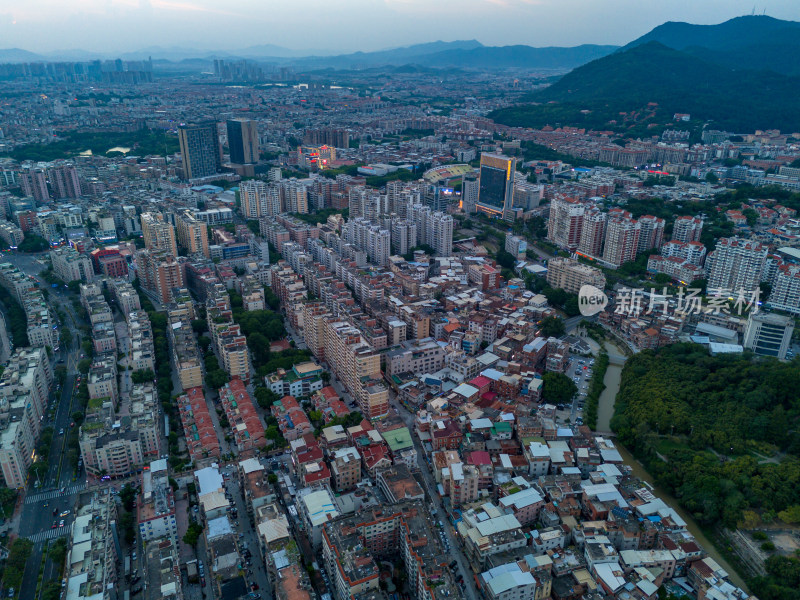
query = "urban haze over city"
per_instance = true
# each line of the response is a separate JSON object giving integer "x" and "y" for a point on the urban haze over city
{"x": 399, "y": 300}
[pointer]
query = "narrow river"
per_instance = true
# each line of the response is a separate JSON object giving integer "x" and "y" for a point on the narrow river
{"x": 605, "y": 410}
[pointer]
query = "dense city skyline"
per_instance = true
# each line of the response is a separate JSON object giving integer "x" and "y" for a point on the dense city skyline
{"x": 442, "y": 322}
{"x": 129, "y": 25}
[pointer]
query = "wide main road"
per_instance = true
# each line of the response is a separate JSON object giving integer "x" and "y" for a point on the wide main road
{"x": 59, "y": 487}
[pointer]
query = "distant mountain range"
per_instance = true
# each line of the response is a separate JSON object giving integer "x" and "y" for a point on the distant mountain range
{"x": 670, "y": 67}
{"x": 460, "y": 53}
{"x": 18, "y": 55}
{"x": 752, "y": 42}
{"x": 487, "y": 57}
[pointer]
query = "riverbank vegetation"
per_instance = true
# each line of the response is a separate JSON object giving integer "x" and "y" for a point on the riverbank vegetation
{"x": 596, "y": 387}
{"x": 720, "y": 433}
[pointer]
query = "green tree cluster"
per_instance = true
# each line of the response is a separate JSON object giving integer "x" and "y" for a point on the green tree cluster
{"x": 704, "y": 414}
{"x": 378, "y": 181}
{"x": 16, "y": 319}
{"x": 320, "y": 216}
{"x": 285, "y": 359}
{"x": 506, "y": 259}
{"x": 33, "y": 243}
{"x": 781, "y": 581}
{"x": 18, "y": 554}
{"x": 265, "y": 397}
{"x": 193, "y": 533}
{"x": 143, "y": 376}
{"x": 259, "y": 326}
{"x": 562, "y": 299}
{"x": 557, "y": 388}
{"x": 596, "y": 387}
{"x": 216, "y": 377}
{"x": 551, "y": 327}
{"x": 72, "y": 143}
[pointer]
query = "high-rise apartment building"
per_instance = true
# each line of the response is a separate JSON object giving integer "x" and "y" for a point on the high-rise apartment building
{"x": 496, "y": 188}
{"x": 338, "y": 138}
{"x": 65, "y": 182}
{"x": 159, "y": 274}
{"x": 436, "y": 198}
{"x": 394, "y": 196}
{"x": 785, "y": 294}
{"x": 253, "y": 196}
{"x": 24, "y": 389}
{"x": 201, "y": 152}
{"x": 651, "y": 233}
{"x": 295, "y": 196}
{"x": 367, "y": 204}
{"x": 694, "y": 252}
{"x": 433, "y": 228}
{"x": 687, "y": 229}
{"x": 470, "y": 190}
{"x": 192, "y": 234}
{"x": 158, "y": 234}
{"x": 593, "y": 233}
{"x": 243, "y": 141}
{"x": 565, "y": 225}
{"x": 404, "y": 236}
{"x": 358, "y": 365}
{"x": 441, "y": 233}
{"x": 34, "y": 183}
{"x": 379, "y": 245}
{"x": 736, "y": 265}
{"x": 622, "y": 238}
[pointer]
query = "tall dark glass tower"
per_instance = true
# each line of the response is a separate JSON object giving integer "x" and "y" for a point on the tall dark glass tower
{"x": 201, "y": 152}
{"x": 243, "y": 141}
{"x": 496, "y": 194}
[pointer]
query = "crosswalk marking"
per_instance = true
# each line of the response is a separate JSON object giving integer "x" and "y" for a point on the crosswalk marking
{"x": 49, "y": 534}
{"x": 74, "y": 489}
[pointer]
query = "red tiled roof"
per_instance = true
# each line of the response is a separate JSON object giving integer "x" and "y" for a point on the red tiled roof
{"x": 479, "y": 457}
{"x": 198, "y": 428}
{"x": 339, "y": 408}
{"x": 329, "y": 392}
{"x": 309, "y": 454}
{"x": 373, "y": 454}
{"x": 480, "y": 381}
{"x": 239, "y": 409}
{"x": 323, "y": 474}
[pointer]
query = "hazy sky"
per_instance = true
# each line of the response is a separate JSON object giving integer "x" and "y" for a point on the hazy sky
{"x": 347, "y": 25}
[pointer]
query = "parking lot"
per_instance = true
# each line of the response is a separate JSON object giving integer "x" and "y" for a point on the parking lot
{"x": 579, "y": 370}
